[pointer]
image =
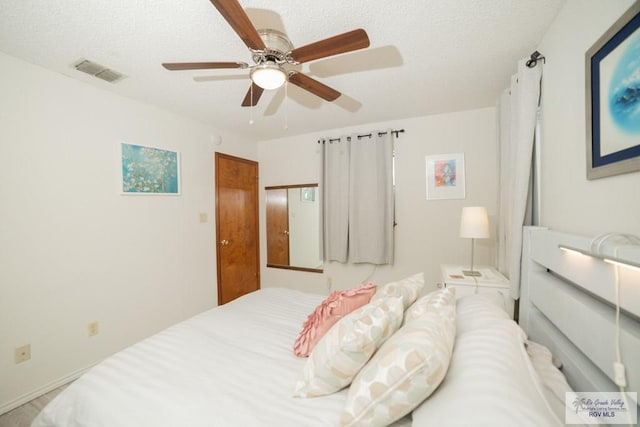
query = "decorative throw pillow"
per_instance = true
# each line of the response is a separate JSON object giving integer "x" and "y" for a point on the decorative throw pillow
{"x": 325, "y": 315}
{"x": 408, "y": 289}
{"x": 440, "y": 300}
{"x": 347, "y": 347}
{"x": 406, "y": 370}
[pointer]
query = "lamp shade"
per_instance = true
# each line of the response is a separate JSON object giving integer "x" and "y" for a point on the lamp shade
{"x": 474, "y": 223}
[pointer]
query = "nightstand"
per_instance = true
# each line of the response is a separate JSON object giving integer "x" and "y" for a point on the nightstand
{"x": 489, "y": 281}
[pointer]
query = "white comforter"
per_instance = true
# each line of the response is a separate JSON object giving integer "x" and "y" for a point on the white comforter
{"x": 229, "y": 366}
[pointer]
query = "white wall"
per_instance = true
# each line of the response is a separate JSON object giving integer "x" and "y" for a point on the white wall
{"x": 427, "y": 231}
{"x": 569, "y": 202}
{"x": 72, "y": 250}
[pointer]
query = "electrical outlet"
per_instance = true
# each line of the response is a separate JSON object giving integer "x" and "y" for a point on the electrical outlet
{"x": 22, "y": 354}
{"x": 93, "y": 328}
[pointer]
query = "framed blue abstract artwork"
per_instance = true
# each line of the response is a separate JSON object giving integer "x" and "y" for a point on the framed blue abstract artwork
{"x": 613, "y": 99}
{"x": 149, "y": 171}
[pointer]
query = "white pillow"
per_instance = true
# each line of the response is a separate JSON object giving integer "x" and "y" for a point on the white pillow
{"x": 441, "y": 298}
{"x": 408, "y": 289}
{"x": 554, "y": 383}
{"x": 478, "y": 311}
{"x": 406, "y": 369}
{"x": 347, "y": 347}
{"x": 490, "y": 382}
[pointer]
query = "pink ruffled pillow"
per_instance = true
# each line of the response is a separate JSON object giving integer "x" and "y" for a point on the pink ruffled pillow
{"x": 332, "y": 309}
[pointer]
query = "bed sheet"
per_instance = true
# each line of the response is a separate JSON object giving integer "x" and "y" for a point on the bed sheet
{"x": 229, "y": 366}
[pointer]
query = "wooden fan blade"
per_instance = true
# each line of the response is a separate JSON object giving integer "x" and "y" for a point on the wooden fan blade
{"x": 352, "y": 40}
{"x": 250, "y": 101}
{"x": 315, "y": 87}
{"x": 179, "y": 66}
{"x": 239, "y": 21}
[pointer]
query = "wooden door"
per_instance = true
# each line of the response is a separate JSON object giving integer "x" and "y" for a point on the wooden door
{"x": 238, "y": 249}
{"x": 277, "y": 226}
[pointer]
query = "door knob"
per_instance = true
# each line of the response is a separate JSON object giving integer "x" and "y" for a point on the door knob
{"x": 224, "y": 242}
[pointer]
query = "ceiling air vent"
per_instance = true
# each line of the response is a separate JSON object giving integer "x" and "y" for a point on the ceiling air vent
{"x": 97, "y": 70}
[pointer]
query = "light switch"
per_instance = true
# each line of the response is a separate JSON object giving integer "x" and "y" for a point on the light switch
{"x": 203, "y": 217}
{"x": 93, "y": 328}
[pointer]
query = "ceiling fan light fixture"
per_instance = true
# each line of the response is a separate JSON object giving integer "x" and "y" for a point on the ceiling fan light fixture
{"x": 268, "y": 75}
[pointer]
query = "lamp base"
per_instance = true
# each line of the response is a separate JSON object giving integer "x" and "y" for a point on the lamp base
{"x": 471, "y": 273}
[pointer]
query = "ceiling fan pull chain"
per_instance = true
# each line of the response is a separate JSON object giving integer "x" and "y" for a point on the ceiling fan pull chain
{"x": 286, "y": 105}
{"x": 251, "y": 106}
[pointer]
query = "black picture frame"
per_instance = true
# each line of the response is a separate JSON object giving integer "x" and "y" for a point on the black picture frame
{"x": 613, "y": 133}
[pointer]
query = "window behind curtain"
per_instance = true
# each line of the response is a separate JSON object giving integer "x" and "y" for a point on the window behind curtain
{"x": 358, "y": 199}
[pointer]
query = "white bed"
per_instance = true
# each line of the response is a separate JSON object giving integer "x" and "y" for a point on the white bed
{"x": 234, "y": 366}
{"x": 230, "y": 366}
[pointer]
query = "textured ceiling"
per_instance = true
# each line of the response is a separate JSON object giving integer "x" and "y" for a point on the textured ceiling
{"x": 426, "y": 56}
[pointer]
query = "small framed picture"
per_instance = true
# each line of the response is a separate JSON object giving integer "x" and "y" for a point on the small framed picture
{"x": 148, "y": 170}
{"x": 445, "y": 176}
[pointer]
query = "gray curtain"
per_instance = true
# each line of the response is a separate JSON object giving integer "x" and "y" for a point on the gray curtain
{"x": 335, "y": 198}
{"x": 359, "y": 199}
{"x": 518, "y": 118}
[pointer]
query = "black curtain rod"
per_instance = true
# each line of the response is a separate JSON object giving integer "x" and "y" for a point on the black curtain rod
{"x": 368, "y": 135}
{"x": 534, "y": 58}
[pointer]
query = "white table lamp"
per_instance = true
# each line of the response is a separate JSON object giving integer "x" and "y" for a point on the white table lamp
{"x": 474, "y": 225}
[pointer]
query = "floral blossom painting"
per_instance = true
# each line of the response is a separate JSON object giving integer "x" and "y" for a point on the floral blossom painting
{"x": 445, "y": 176}
{"x": 148, "y": 170}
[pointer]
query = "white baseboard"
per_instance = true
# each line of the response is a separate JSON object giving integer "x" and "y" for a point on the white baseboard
{"x": 21, "y": 400}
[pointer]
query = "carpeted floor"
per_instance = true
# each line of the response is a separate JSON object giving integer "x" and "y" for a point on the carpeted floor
{"x": 23, "y": 415}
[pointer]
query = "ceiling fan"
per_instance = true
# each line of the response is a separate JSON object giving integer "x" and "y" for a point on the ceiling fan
{"x": 273, "y": 53}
